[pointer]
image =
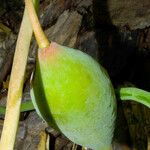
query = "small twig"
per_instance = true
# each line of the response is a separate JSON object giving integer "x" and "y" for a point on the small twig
{"x": 43, "y": 141}
{"x": 74, "y": 147}
{"x": 84, "y": 148}
{"x": 148, "y": 145}
{"x": 16, "y": 85}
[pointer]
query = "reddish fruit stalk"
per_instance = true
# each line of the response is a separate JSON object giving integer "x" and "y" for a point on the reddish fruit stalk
{"x": 39, "y": 34}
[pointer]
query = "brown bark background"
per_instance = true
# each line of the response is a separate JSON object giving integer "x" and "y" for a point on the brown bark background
{"x": 114, "y": 32}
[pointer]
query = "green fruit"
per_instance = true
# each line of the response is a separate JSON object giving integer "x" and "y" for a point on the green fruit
{"x": 74, "y": 94}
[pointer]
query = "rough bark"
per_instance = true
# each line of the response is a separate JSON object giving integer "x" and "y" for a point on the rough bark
{"x": 124, "y": 52}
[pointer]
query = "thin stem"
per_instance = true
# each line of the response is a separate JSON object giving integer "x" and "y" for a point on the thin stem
{"x": 26, "y": 106}
{"x": 134, "y": 94}
{"x": 16, "y": 85}
{"x": 39, "y": 33}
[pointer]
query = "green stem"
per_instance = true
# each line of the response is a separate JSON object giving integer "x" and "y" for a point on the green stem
{"x": 25, "y": 106}
{"x": 14, "y": 97}
{"x": 134, "y": 94}
{"x": 42, "y": 40}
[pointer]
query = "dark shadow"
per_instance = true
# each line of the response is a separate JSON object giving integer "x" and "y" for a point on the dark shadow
{"x": 117, "y": 51}
{"x": 52, "y": 142}
{"x": 121, "y": 134}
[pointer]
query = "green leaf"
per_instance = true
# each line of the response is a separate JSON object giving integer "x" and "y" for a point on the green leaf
{"x": 134, "y": 94}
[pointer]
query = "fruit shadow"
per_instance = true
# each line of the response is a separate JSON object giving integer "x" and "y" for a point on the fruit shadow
{"x": 117, "y": 46}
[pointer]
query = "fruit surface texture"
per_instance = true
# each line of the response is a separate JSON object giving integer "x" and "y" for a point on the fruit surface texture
{"x": 74, "y": 94}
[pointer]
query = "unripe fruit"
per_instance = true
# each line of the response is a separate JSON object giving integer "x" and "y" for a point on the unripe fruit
{"x": 73, "y": 93}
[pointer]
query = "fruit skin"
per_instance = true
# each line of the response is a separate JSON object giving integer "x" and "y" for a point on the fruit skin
{"x": 74, "y": 94}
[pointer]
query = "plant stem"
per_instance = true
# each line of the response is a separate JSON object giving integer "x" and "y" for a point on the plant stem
{"x": 25, "y": 106}
{"x": 16, "y": 85}
{"x": 134, "y": 94}
{"x": 42, "y": 40}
